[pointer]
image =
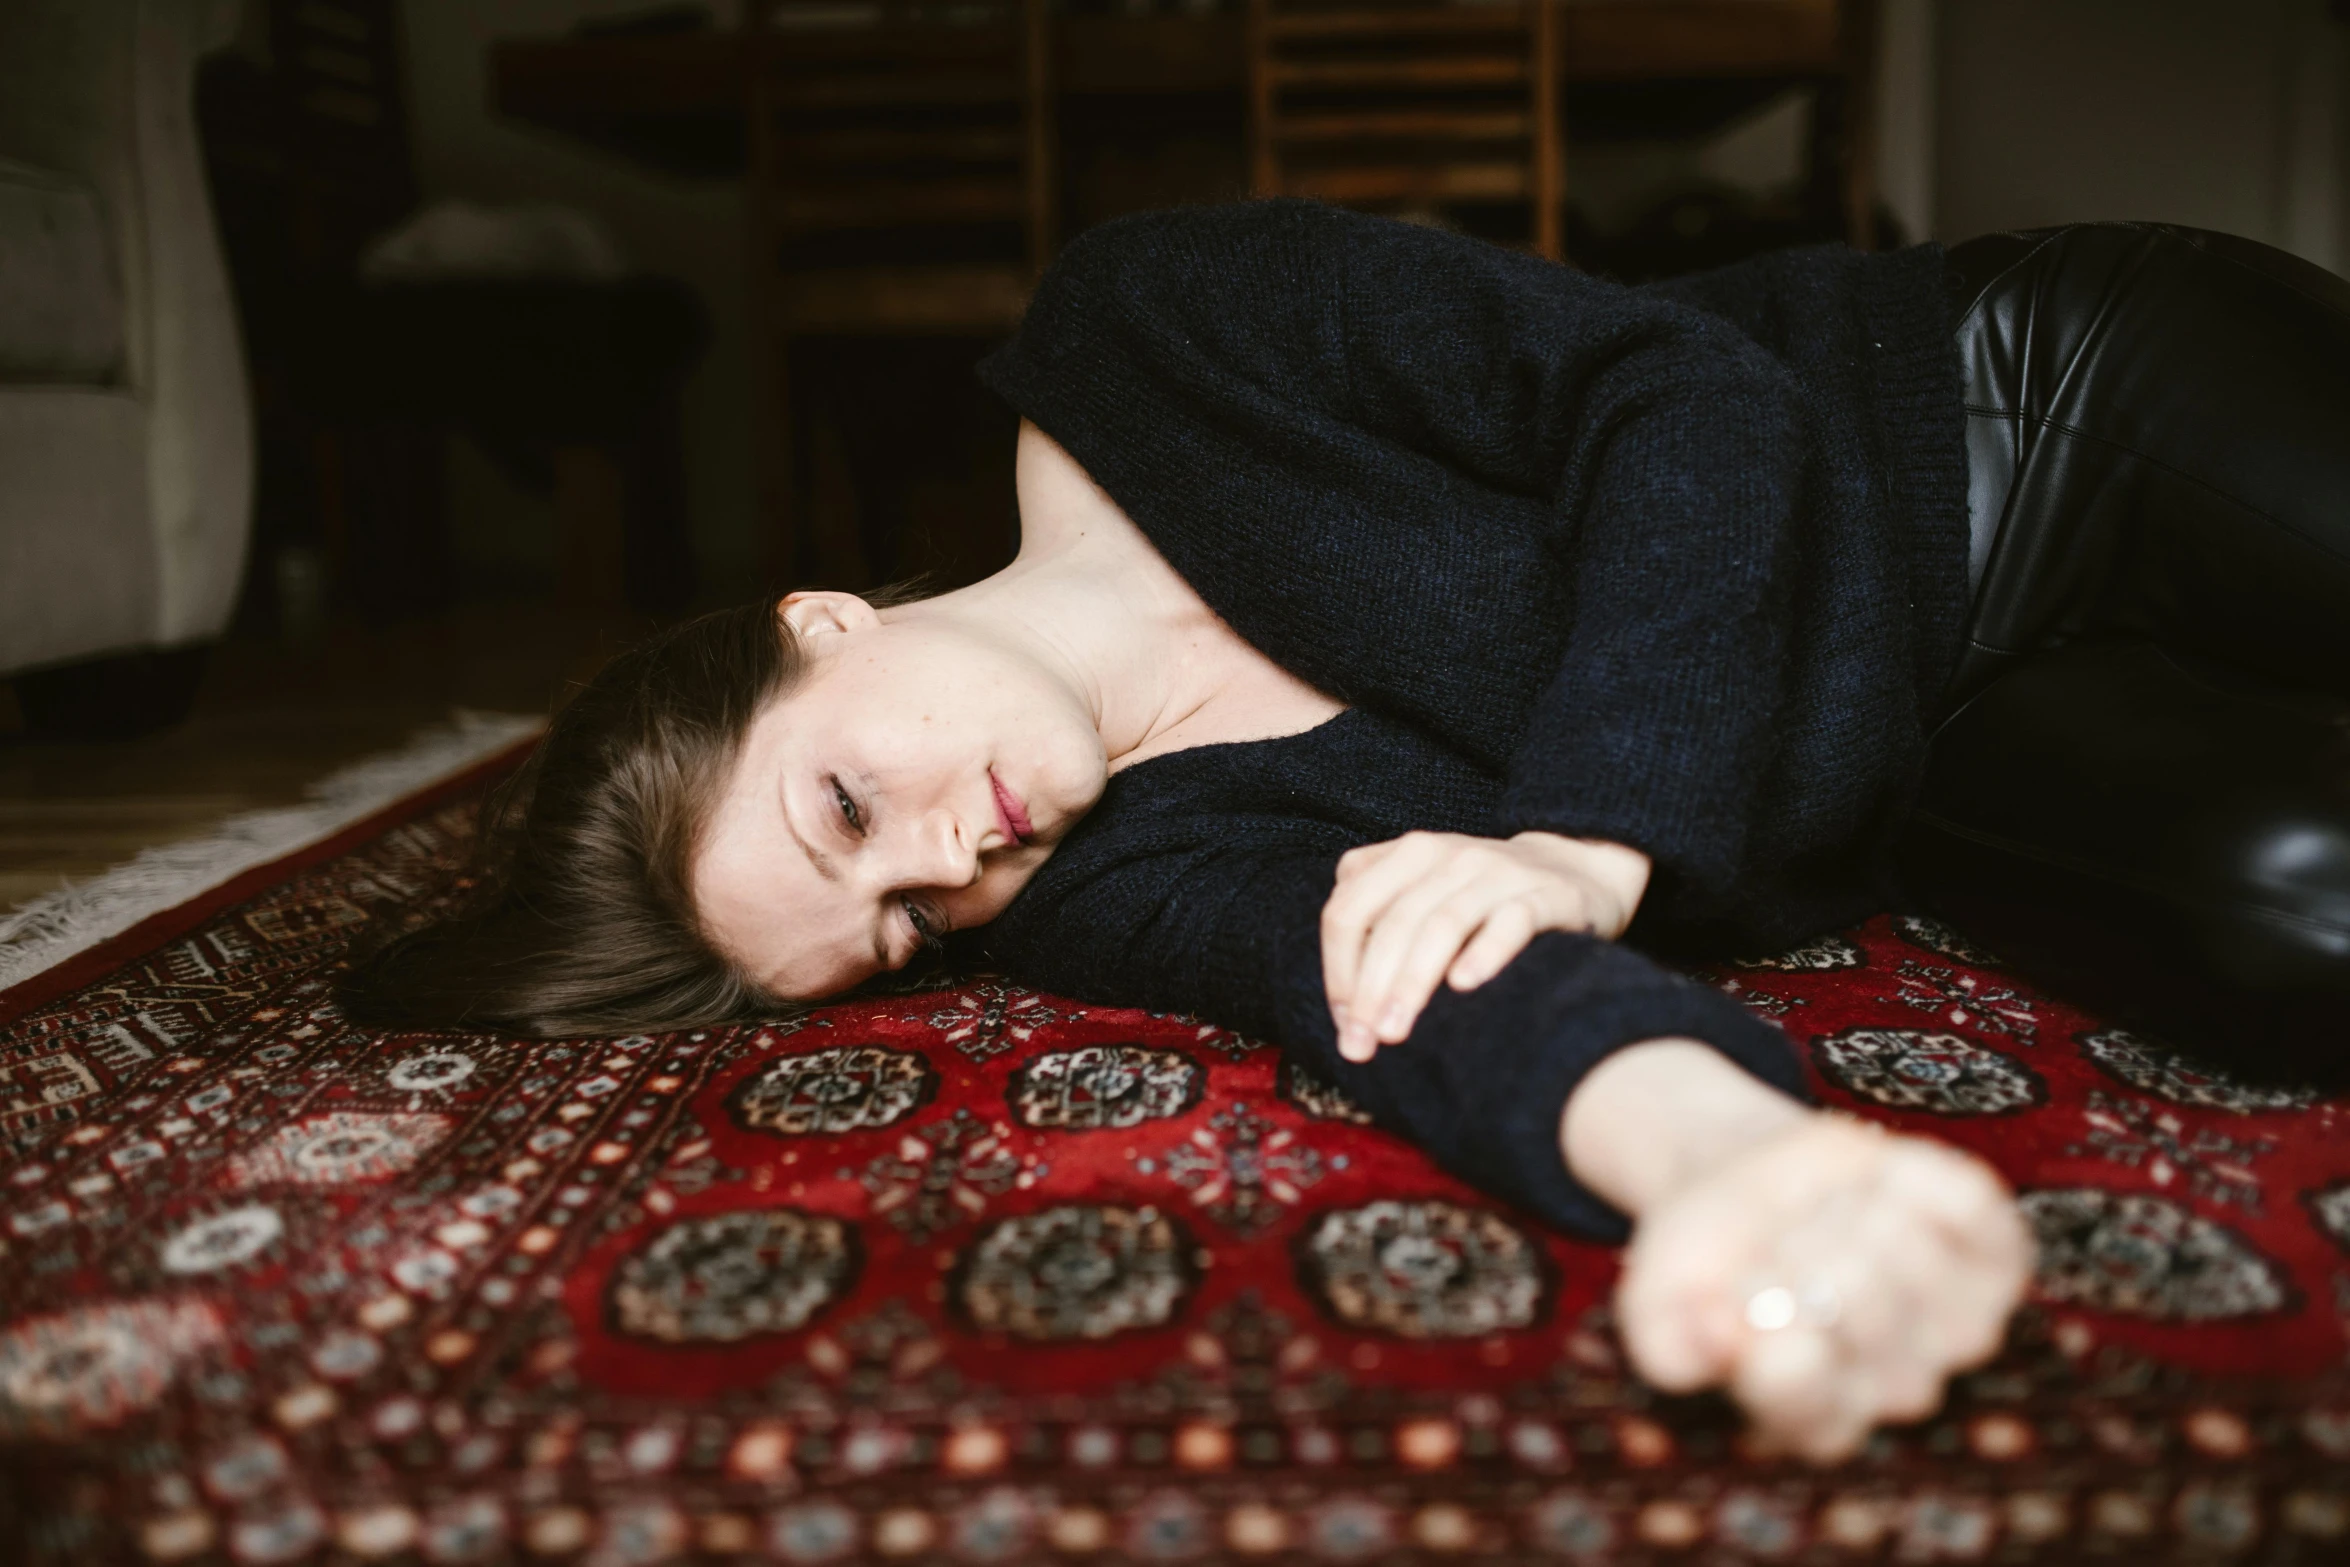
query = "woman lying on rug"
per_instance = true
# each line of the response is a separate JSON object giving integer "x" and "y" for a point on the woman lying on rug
{"x": 1411, "y": 641}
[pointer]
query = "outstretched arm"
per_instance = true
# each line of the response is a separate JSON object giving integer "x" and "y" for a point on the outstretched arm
{"x": 1607, "y": 1097}
{"x": 1737, "y": 1191}
{"x": 1221, "y": 915}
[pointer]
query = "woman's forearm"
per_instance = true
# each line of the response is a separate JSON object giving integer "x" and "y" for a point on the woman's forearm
{"x": 1656, "y": 1115}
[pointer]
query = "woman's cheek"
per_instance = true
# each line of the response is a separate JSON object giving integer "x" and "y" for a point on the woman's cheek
{"x": 992, "y": 895}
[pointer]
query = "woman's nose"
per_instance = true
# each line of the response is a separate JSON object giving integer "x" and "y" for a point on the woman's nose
{"x": 949, "y": 851}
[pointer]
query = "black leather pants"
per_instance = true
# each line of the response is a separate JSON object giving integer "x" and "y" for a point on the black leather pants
{"x": 2141, "y": 797}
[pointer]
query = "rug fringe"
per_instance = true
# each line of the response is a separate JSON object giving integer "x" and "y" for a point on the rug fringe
{"x": 56, "y": 925}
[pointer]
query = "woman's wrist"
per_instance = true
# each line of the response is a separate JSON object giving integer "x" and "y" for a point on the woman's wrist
{"x": 1618, "y": 868}
{"x": 1655, "y": 1116}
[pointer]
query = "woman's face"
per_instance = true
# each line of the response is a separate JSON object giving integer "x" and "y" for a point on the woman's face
{"x": 908, "y": 785}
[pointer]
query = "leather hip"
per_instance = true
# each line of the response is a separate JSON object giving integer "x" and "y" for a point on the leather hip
{"x": 2140, "y": 791}
{"x": 2158, "y": 445}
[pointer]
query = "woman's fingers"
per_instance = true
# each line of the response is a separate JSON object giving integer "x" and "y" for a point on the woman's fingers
{"x": 1910, "y": 1390}
{"x": 1910, "y": 1300}
{"x": 1967, "y": 1318}
{"x": 1372, "y": 925}
{"x": 1891, "y": 1272}
{"x": 1992, "y": 1254}
{"x": 1788, "y": 1381}
{"x": 1682, "y": 1346}
{"x": 1369, "y": 878}
{"x": 1465, "y": 920}
{"x": 1926, "y": 1254}
{"x": 1402, "y": 916}
{"x": 1502, "y": 937}
{"x": 1816, "y": 1393}
{"x": 1417, "y": 935}
{"x": 1676, "y": 1297}
{"x": 1466, "y": 925}
{"x": 1838, "y": 1428}
{"x": 1915, "y": 1312}
{"x": 1894, "y": 1350}
{"x": 1837, "y": 1436}
{"x": 1860, "y": 1393}
{"x": 1967, "y": 1201}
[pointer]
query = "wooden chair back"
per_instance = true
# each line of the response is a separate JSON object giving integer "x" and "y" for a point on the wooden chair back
{"x": 342, "y": 138}
{"x": 1387, "y": 104}
{"x": 901, "y": 160}
{"x": 901, "y": 182}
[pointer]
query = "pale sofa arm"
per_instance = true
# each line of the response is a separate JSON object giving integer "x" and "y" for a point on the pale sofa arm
{"x": 101, "y": 94}
{"x": 200, "y": 435}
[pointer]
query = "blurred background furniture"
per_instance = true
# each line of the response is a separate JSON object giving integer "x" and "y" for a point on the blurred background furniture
{"x": 1407, "y": 107}
{"x": 125, "y": 434}
{"x": 306, "y": 138}
{"x": 1129, "y": 89}
{"x": 1693, "y": 131}
{"x": 1469, "y": 114}
{"x": 901, "y": 184}
{"x": 568, "y": 383}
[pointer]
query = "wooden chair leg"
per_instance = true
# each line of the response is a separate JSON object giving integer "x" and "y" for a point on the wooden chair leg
{"x": 1856, "y": 25}
{"x": 833, "y": 508}
{"x": 1549, "y": 134}
{"x": 658, "y": 550}
{"x": 1040, "y": 152}
{"x": 1264, "y": 172}
{"x": 776, "y": 455}
{"x": 771, "y": 412}
{"x": 591, "y": 495}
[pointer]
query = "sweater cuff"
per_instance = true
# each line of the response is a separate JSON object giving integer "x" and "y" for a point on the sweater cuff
{"x": 1534, "y": 1171}
{"x": 1482, "y": 1083}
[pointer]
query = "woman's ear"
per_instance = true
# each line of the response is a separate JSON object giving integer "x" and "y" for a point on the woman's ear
{"x": 816, "y": 612}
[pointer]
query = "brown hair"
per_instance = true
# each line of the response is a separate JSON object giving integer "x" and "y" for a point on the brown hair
{"x": 576, "y": 916}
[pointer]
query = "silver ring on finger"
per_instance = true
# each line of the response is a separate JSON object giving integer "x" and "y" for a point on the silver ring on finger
{"x": 1811, "y": 1303}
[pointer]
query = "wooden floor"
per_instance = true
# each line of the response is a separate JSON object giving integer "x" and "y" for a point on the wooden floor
{"x": 271, "y": 720}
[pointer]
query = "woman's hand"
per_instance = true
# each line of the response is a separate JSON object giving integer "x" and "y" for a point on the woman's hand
{"x": 1921, "y": 1243}
{"x": 1435, "y": 905}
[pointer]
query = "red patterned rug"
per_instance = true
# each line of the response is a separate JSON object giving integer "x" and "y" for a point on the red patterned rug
{"x": 983, "y": 1275}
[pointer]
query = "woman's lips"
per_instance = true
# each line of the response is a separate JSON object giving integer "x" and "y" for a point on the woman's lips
{"x": 1014, "y": 819}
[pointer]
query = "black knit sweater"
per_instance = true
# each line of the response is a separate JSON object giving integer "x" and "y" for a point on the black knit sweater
{"x": 1681, "y": 567}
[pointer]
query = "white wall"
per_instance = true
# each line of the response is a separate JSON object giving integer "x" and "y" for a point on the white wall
{"x": 2222, "y": 114}
{"x": 2314, "y": 188}
{"x": 1907, "y": 92}
{"x": 687, "y": 229}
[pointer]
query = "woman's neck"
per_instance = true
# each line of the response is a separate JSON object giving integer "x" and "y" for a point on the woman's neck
{"x": 1093, "y": 605}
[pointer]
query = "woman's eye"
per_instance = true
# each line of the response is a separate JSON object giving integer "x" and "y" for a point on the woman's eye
{"x": 922, "y": 927}
{"x": 848, "y": 808}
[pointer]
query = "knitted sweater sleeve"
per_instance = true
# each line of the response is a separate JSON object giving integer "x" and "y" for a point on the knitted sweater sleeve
{"x": 1420, "y": 416}
{"x": 1222, "y": 919}
{"x": 1282, "y": 382}
{"x": 1670, "y": 449}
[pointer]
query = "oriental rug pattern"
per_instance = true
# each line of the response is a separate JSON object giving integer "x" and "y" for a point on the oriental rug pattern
{"x": 981, "y": 1275}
